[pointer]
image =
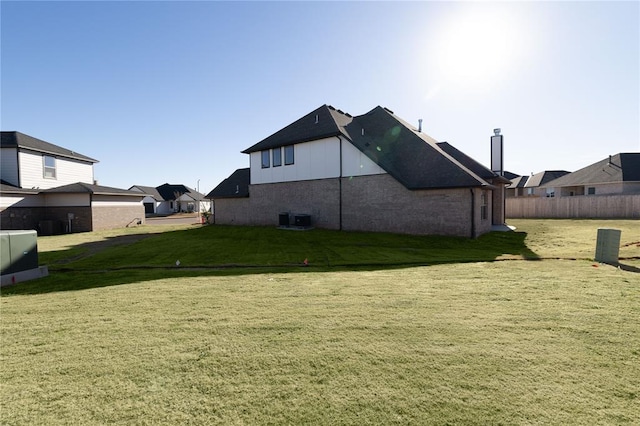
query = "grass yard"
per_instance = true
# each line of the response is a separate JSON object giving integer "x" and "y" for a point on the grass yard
{"x": 378, "y": 329}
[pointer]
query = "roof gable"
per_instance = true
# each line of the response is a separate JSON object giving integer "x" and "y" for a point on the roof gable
{"x": 321, "y": 123}
{"x": 20, "y": 140}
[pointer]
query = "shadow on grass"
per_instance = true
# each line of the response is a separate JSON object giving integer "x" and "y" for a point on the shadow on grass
{"x": 235, "y": 251}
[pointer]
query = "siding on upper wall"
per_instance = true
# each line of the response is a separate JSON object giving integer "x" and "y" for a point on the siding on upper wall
{"x": 9, "y": 165}
{"x": 313, "y": 160}
{"x": 67, "y": 171}
{"x": 356, "y": 163}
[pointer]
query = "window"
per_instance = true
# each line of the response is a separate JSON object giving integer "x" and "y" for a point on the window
{"x": 49, "y": 167}
{"x": 265, "y": 159}
{"x": 288, "y": 155}
{"x": 277, "y": 157}
{"x": 591, "y": 191}
{"x": 484, "y": 208}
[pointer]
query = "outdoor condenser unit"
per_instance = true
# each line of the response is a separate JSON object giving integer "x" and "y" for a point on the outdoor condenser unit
{"x": 303, "y": 220}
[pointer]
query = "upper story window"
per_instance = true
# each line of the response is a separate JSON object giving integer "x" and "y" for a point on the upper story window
{"x": 288, "y": 155}
{"x": 265, "y": 159}
{"x": 277, "y": 157}
{"x": 49, "y": 167}
{"x": 591, "y": 191}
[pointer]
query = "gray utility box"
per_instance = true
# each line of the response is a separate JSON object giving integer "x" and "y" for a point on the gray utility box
{"x": 18, "y": 251}
{"x": 608, "y": 245}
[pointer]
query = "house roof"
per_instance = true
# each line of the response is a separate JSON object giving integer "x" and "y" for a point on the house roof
{"x": 235, "y": 186}
{"x": 518, "y": 182}
{"x": 81, "y": 187}
{"x": 20, "y": 140}
{"x": 8, "y": 188}
{"x": 321, "y": 123}
{"x": 510, "y": 175}
{"x": 539, "y": 179}
{"x": 472, "y": 164}
{"x": 623, "y": 167}
{"x": 169, "y": 191}
{"x": 147, "y": 190}
{"x": 411, "y": 157}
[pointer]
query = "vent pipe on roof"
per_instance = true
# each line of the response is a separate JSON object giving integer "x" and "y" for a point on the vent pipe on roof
{"x": 419, "y": 124}
{"x": 316, "y": 118}
{"x": 363, "y": 131}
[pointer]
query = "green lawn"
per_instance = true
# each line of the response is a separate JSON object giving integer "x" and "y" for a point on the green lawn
{"x": 364, "y": 335}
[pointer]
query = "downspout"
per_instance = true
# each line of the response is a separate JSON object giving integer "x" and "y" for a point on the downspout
{"x": 473, "y": 214}
{"x": 340, "y": 188}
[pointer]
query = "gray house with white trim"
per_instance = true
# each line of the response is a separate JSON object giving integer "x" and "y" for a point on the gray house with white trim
{"x": 51, "y": 189}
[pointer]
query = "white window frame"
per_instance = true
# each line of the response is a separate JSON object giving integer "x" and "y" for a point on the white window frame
{"x": 49, "y": 171}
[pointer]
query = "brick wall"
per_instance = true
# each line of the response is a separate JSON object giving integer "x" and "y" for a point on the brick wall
{"x": 21, "y": 217}
{"x": 81, "y": 222}
{"x": 111, "y": 217}
{"x": 381, "y": 204}
{"x": 376, "y": 203}
{"x": 318, "y": 198}
{"x": 232, "y": 211}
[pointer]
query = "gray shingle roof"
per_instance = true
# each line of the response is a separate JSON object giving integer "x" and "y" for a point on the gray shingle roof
{"x": 518, "y": 182}
{"x": 235, "y": 186}
{"x": 472, "y": 164}
{"x": 168, "y": 192}
{"x": 8, "y": 188}
{"x": 147, "y": 190}
{"x": 539, "y": 179}
{"x": 80, "y": 187}
{"x": 623, "y": 167}
{"x": 20, "y": 140}
{"x": 413, "y": 158}
{"x": 323, "y": 122}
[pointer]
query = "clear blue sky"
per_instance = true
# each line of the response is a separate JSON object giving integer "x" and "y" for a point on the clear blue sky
{"x": 173, "y": 91}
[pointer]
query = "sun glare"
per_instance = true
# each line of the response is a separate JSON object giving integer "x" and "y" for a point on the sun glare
{"x": 476, "y": 48}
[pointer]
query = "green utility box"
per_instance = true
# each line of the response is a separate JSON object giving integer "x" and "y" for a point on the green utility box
{"x": 18, "y": 251}
{"x": 608, "y": 245}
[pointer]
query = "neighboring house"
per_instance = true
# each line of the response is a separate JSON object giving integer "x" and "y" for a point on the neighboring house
{"x": 609, "y": 188}
{"x": 152, "y": 200}
{"x": 516, "y": 187}
{"x": 169, "y": 199}
{"x": 372, "y": 172}
{"x": 51, "y": 189}
{"x": 534, "y": 185}
{"x": 617, "y": 174}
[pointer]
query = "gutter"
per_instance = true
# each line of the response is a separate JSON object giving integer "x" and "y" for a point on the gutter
{"x": 473, "y": 213}
{"x": 340, "y": 188}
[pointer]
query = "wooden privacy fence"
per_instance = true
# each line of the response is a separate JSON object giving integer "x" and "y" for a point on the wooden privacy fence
{"x": 581, "y": 206}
